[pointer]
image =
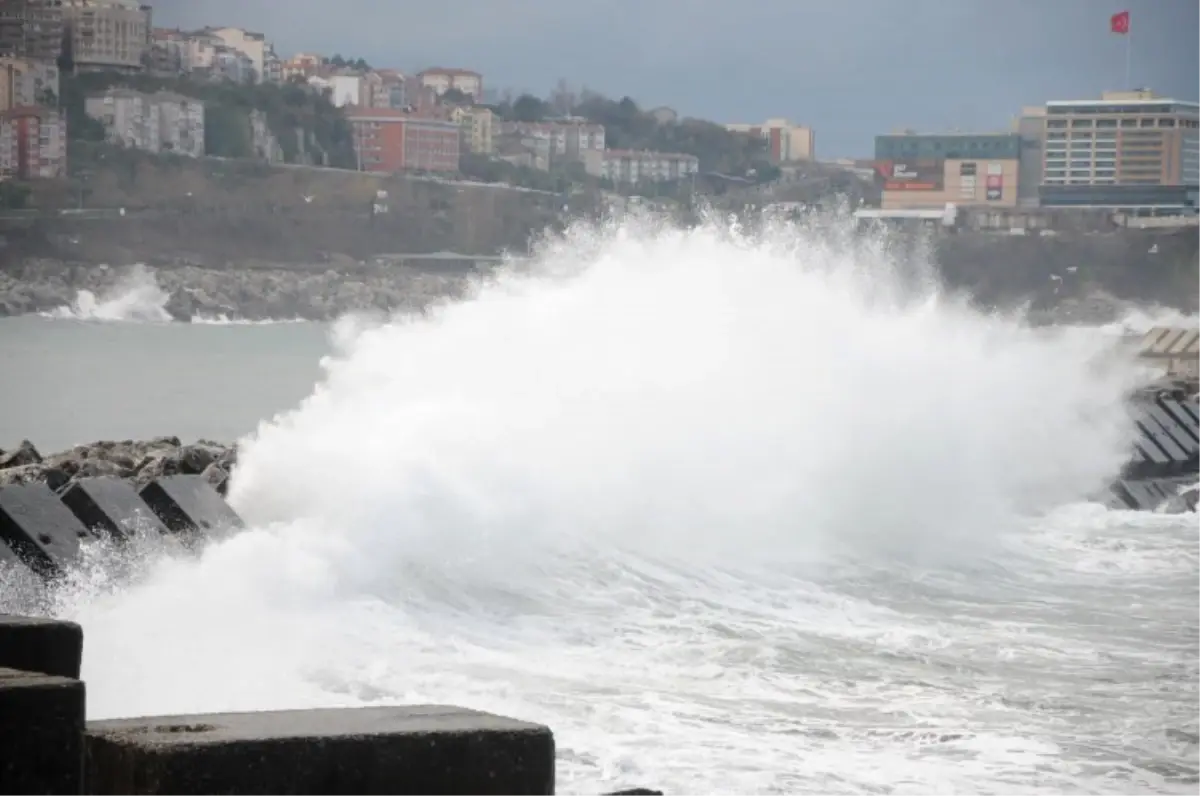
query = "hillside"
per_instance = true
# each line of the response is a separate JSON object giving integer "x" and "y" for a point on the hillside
{"x": 308, "y": 127}
{"x": 220, "y": 211}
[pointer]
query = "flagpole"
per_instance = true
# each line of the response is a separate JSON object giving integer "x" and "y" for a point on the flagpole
{"x": 1128, "y": 59}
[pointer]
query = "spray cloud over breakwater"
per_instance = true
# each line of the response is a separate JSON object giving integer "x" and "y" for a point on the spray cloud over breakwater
{"x": 135, "y": 297}
{"x": 637, "y": 493}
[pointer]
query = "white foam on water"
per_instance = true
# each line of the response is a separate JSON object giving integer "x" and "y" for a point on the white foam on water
{"x": 134, "y": 298}
{"x": 729, "y": 513}
{"x": 137, "y": 297}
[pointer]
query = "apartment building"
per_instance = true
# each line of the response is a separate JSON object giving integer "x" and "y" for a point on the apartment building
{"x": 442, "y": 80}
{"x": 930, "y": 171}
{"x": 347, "y": 88}
{"x": 33, "y": 143}
{"x": 631, "y": 167}
{"x": 272, "y": 65}
{"x": 109, "y": 34}
{"x": 371, "y": 91}
{"x": 476, "y": 124}
{"x": 232, "y": 65}
{"x": 393, "y": 90}
{"x": 786, "y": 142}
{"x": 169, "y": 51}
{"x": 303, "y": 65}
{"x": 564, "y": 139}
{"x": 388, "y": 140}
{"x": 1131, "y": 151}
{"x": 253, "y": 45}
{"x": 159, "y": 122}
{"x": 25, "y": 81}
{"x": 31, "y": 29}
{"x": 522, "y": 150}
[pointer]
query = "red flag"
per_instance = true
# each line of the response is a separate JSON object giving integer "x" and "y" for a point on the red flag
{"x": 1119, "y": 22}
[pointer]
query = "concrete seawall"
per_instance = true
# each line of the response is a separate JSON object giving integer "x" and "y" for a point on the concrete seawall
{"x": 47, "y": 745}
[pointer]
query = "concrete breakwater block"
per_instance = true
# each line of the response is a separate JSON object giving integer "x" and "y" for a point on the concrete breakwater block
{"x": 39, "y": 528}
{"x": 401, "y": 750}
{"x": 188, "y": 503}
{"x": 111, "y": 506}
{"x": 46, "y": 646}
{"x": 41, "y": 733}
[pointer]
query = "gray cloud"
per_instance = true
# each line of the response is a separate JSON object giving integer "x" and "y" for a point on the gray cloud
{"x": 849, "y": 68}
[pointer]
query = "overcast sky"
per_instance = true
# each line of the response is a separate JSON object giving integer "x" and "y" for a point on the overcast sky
{"x": 848, "y": 68}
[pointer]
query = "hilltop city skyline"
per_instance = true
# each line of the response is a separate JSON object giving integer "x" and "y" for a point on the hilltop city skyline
{"x": 848, "y": 70}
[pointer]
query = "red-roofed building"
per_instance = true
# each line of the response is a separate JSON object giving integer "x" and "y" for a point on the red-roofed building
{"x": 389, "y": 140}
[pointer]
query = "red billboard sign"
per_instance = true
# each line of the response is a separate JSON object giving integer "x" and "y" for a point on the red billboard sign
{"x": 995, "y": 187}
{"x": 911, "y": 175}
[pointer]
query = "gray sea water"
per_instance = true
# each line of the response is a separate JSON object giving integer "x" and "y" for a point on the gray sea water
{"x": 724, "y": 522}
{"x": 72, "y": 381}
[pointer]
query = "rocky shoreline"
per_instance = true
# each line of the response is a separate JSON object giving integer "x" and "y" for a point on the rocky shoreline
{"x": 183, "y": 292}
{"x": 186, "y": 292}
{"x": 140, "y": 461}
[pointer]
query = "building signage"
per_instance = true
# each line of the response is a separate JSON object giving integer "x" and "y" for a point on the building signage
{"x": 911, "y": 175}
{"x": 995, "y": 187}
{"x": 966, "y": 180}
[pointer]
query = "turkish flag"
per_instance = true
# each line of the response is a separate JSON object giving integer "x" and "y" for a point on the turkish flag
{"x": 1119, "y": 22}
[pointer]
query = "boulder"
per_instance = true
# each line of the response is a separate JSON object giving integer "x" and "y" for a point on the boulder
{"x": 141, "y": 461}
{"x": 194, "y": 459}
{"x": 25, "y": 454}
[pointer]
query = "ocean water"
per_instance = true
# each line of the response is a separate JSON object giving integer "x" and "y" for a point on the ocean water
{"x": 730, "y": 514}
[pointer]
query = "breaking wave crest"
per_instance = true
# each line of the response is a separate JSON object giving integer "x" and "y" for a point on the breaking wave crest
{"x": 728, "y": 511}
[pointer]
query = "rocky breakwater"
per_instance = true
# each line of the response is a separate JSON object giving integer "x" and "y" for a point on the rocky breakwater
{"x": 247, "y": 291}
{"x": 139, "y": 461}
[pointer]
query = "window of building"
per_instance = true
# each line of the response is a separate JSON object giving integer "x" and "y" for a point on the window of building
{"x": 1106, "y": 122}
{"x": 1055, "y": 124}
{"x": 1145, "y": 123}
{"x": 1080, "y": 173}
{"x": 1166, "y": 122}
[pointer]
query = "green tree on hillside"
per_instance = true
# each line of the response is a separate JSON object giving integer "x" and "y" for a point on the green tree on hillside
{"x": 454, "y": 96}
{"x": 528, "y": 108}
{"x": 227, "y": 132}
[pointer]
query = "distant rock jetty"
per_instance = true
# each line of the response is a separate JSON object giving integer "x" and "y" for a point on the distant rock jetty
{"x": 184, "y": 292}
{"x": 138, "y": 461}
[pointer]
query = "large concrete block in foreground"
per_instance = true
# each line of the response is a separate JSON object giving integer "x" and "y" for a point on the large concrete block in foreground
{"x": 41, "y": 733}
{"x": 111, "y": 506}
{"x": 401, "y": 750}
{"x": 187, "y": 503}
{"x": 46, "y": 646}
{"x": 39, "y": 528}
